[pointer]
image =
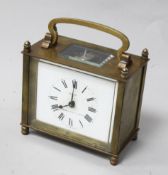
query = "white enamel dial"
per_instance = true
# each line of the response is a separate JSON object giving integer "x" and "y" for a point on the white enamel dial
{"x": 76, "y": 101}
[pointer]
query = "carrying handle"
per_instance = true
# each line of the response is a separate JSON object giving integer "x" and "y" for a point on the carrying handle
{"x": 54, "y": 34}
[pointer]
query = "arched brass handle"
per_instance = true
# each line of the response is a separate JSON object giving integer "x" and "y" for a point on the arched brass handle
{"x": 54, "y": 35}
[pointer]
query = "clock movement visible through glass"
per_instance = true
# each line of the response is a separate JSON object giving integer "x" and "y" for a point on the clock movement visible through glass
{"x": 86, "y": 55}
{"x": 76, "y": 101}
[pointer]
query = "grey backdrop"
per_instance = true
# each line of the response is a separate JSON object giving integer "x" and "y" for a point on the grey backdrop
{"x": 146, "y": 25}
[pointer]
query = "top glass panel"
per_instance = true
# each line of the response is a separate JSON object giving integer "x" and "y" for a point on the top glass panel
{"x": 86, "y": 55}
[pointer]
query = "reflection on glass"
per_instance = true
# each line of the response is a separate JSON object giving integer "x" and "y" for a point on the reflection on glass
{"x": 86, "y": 55}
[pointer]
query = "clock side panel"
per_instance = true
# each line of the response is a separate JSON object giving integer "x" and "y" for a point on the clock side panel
{"x": 128, "y": 127}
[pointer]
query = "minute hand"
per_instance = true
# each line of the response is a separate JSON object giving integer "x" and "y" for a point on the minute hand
{"x": 72, "y": 94}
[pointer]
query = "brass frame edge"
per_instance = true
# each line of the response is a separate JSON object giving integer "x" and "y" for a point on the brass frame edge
{"x": 117, "y": 119}
{"x": 140, "y": 96}
{"x": 142, "y": 85}
{"x": 68, "y": 140}
{"x": 25, "y": 88}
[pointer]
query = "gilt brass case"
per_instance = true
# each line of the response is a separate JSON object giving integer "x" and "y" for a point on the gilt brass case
{"x": 127, "y": 69}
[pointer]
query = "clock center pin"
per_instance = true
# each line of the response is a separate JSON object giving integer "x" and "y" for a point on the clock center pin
{"x": 72, "y": 104}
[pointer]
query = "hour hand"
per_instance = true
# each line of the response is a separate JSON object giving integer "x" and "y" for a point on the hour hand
{"x": 61, "y": 106}
{"x": 70, "y": 104}
{"x": 56, "y": 107}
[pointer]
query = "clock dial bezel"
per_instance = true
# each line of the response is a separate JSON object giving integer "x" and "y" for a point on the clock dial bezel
{"x": 60, "y": 132}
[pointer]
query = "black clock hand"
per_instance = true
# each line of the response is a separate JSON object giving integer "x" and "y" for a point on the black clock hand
{"x": 72, "y": 94}
{"x": 57, "y": 107}
{"x": 71, "y": 103}
{"x": 60, "y": 106}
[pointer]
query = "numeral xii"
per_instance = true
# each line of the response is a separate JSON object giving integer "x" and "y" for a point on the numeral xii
{"x": 64, "y": 83}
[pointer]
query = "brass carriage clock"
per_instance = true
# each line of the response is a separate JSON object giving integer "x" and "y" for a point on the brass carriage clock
{"x": 81, "y": 92}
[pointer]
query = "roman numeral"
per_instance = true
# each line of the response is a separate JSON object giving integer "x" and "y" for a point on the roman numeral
{"x": 91, "y": 99}
{"x": 88, "y": 118}
{"x": 61, "y": 116}
{"x": 74, "y": 83}
{"x": 70, "y": 122}
{"x": 81, "y": 123}
{"x": 53, "y": 97}
{"x": 84, "y": 89}
{"x": 55, "y": 107}
{"x": 64, "y": 83}
{"x": 56, "y": 88}
{"x": 91, "y": 109}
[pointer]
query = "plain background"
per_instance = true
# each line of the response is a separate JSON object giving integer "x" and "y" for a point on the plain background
{"x": 146, "y": 25}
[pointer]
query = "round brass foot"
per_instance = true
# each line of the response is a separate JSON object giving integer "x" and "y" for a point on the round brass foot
{"x": 114, "y": 160}
{"x": 24, "y": 130}
{"x": 135, "y": 137}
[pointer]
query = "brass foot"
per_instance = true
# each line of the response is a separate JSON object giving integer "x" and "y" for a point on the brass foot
{"x": 135, "y": 137}
{"x": 114, "y": 160}
{"x": 24, "y": 130}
